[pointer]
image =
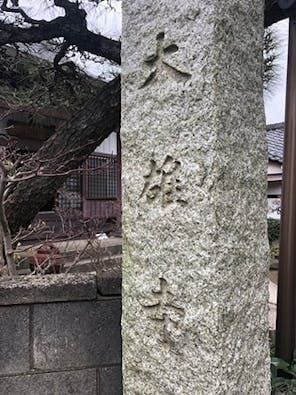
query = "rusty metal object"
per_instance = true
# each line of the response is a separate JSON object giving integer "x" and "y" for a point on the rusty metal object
{"x": 285, "y": 333}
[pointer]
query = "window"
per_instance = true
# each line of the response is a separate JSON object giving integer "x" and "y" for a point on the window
{"x": 101, "y": 176}
{"x": 69, "y": 195}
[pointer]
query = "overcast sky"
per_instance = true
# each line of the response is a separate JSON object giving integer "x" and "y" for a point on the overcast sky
{"x": 275, "y": 101}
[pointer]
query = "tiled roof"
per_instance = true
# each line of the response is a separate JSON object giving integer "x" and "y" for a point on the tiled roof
{"x": 275, "y": 140}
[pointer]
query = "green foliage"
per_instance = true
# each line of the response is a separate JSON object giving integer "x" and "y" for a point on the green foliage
{"x": 273, "y": 230}
{"x": 28, "y": 81}
{"x": 275, "y": 251}
{"x": 270, "y": 56}
{"x": 283, "y": 385}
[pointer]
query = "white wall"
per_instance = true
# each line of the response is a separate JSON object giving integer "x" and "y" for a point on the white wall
{"x": 109, "y": 145}
{"x": 274, "y": 168}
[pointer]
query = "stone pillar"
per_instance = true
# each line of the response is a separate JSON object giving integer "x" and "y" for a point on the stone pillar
{"x": 194, "y": 199}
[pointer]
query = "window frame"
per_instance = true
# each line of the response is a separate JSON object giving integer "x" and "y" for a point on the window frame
{"x": 88, "y": 176}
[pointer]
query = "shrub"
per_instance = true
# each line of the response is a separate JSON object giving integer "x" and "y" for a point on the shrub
{"x": 279, "y": 384}
{"x": 273, "y": 230}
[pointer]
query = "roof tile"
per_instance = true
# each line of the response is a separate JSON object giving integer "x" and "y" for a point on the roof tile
{"x": 275, "y": 140}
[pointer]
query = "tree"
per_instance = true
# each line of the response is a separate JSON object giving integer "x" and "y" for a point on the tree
{"x": 99, "y": 116}
{"x": 270, "y": 56}
{"x": 83, "y": 132}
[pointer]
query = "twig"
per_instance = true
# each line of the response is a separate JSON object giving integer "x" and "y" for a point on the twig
{"x": 6, "y": 235}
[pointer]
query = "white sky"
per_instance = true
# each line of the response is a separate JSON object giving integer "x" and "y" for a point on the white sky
{"x": 275, "y": 101}
{"x": 103, "y": 18}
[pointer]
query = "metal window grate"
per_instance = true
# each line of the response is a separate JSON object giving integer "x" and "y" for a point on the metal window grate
{"x": 101, "y": 177}
{"x": 69, "y": 196}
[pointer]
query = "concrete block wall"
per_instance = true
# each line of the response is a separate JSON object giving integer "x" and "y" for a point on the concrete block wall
{"x": 59, "y": 335}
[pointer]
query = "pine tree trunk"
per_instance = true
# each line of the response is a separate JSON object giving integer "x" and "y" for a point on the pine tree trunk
{"x": 67, "y": 149}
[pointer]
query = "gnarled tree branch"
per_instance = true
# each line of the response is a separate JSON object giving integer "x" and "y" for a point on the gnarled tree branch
{"x": 92, "y": 124}
{"x": 5, "y": 235}
{"x": 20, "y": 11}
{"x": 72, "y": 27}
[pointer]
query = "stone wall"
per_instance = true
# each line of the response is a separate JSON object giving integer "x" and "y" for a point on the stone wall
{"x": 60, "y": 335}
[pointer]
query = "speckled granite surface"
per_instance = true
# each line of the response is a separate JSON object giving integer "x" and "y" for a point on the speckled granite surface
{"x": 195, "y": 271}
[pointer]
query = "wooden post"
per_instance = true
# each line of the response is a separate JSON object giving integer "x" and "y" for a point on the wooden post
{"x": 285, "y": 332}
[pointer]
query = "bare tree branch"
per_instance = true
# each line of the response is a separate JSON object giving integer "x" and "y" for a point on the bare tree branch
{"x": 5, "y": 234}
{"x": 72, "y": 27}
{"x": 70, "y": 8}
{"x": 92, "y": 125}
{"x": 20, "y": 11}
